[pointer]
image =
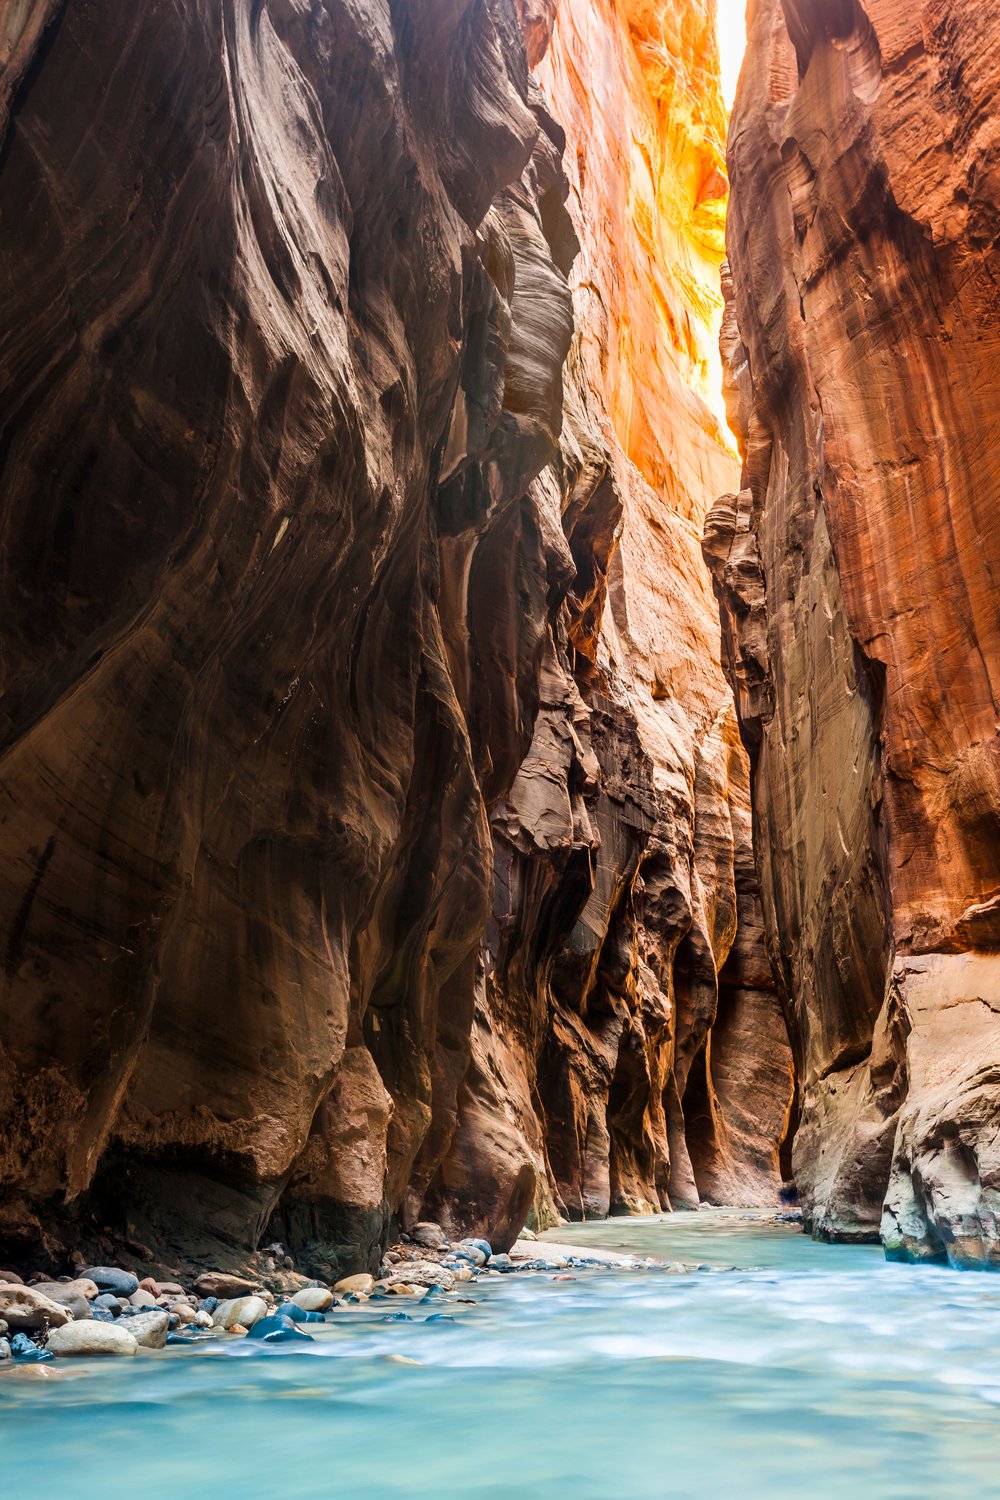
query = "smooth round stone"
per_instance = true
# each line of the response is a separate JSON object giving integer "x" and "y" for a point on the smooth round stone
{"x": 101, "y": 1315}
{"x": 432, "y": 1293}
{"x": 149, "y": 1329}
{"x": 397, "y": 1318}
{"x": 501, "y": 1262}
{"x": 289, "y": 1335}
{"x": 439, "y": 1318}
{"x": 209, "y": 1304}
{"x": 83, "y": 1339}
{"x": 316, "y": 1298}
{"x": 106, "y": 1302}
{"x": 483, "y": 1246}
{"x": 239, "y": 1312}
{"x": 142, "y": 1299}
{"x": 300, "y": 1314}
{"x": 5, "y": 1349}
{"x": 112, "y": 1279}
{"x": 362, "y": 1282}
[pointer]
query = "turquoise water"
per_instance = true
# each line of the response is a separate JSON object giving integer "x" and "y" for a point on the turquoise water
{"x": 824, "y": 1371}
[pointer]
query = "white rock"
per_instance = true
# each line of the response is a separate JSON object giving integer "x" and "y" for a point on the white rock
{"x": 91, "y": 1338}
{"x": 149, "y": 1329}
{"x": 202, "y": 1319}
{"x": 245, "y": 1311}
{"x": 421, "y": 1273}
{"x": 314, "y": 1298}
{"x": 360, "y": 1283}
{"x": 24, "y": 1307}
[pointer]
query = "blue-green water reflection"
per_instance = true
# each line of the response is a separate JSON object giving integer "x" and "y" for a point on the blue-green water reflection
{"x": 825, "y": 1371}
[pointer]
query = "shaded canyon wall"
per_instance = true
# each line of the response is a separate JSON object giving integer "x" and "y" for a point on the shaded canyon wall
{"x": 374, "y": 826}
{"x": 857, "y": 570}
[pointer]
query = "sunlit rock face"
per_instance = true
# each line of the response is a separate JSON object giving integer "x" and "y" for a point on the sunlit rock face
{"x": 629, "y": 1075}
{"x": 373, "y": 823}
{"x": 857, "y": 570}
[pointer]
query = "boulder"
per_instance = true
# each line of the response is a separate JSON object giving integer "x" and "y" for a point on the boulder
{"x": 241, "y": 1312}
{"x": 315, "y": 1298}
{"x": 420, "y": 1273}
{"x": 24, "y": 1307}
{"x": 83, "y": 1339}
{"x": 149, "y": 1329}
{"x": 112, "y": 1279}
{"x": 360, "y": 1283}
{"x": 429, "y": 1236}
{"x": 224, "y": 1285}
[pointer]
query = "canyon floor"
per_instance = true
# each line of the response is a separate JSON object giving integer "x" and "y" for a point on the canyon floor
{"x": 777, "y": 1363}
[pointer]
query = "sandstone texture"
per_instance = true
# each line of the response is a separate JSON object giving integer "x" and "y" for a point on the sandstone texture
{"x": 857, "y": 573}
{"x": 373, "y": 821}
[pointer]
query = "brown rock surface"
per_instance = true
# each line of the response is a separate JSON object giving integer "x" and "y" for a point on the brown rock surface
{"x": 319, "y": 647}
{"x": 857, "y": 571}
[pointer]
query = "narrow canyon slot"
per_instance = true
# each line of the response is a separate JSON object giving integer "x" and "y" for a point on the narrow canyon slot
{"x": 500, "y": 731}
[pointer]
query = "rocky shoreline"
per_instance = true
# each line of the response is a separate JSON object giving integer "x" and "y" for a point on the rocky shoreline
{"x": 100, "y": 1311}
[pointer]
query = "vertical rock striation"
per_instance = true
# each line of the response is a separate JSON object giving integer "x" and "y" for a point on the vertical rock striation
{"x": 857, "y": 573}
{"x": 372, "y": 817}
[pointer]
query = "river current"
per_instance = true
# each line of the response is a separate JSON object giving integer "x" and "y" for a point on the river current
{"x": 784, "y": 1368}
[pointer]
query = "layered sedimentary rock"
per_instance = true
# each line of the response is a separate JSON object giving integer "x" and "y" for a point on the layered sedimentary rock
{"x": 372, "y": 820}
{"x": 857, "y": 571}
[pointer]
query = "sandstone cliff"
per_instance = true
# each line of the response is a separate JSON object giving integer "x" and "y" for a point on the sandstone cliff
{"x": 857, "y": 570}
{"x": 372, "y": 818}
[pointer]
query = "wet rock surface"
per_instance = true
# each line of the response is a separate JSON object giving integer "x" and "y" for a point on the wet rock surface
{"x": 856, "y": 569}
{"x": 373, "y": 822}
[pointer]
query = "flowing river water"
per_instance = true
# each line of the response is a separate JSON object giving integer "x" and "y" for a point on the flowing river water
{"x": 788, "y": 1368}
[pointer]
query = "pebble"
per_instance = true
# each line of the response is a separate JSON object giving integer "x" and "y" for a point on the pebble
{"x": 5, "y": 1350}
{"x": 112, "y": 1279}
{"x": 239, "y": 1312}
{"x": 360, "y": 1283}
{"x": 107, "y": 1302}
{"x": 91, "y": 1339}
{"x": 101, "y": 1315}
{"x": 149, "y": 1329}
{"x": 11, "y": 1278}
{"x": 317, "y": 1298}
{"x": 483, "y": 1246}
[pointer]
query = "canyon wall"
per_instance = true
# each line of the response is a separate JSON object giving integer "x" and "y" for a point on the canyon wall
{"x": 857, "y": 571}
{"x": 373, "y": 822}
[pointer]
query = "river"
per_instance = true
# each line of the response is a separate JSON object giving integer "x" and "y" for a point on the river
{"x": 806, "y": 1370}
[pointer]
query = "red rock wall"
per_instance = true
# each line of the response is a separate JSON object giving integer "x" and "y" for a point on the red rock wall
{"x": 857, "y": 571}
{"x": 323, "y": 656}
